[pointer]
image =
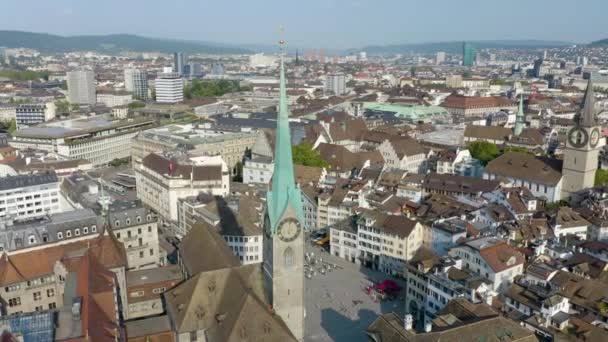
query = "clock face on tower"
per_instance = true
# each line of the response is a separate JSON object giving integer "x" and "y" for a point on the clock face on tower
{"x": 289, "y": 229}
{"x": 578, "y": 137}
{"x": 594, "y": 138}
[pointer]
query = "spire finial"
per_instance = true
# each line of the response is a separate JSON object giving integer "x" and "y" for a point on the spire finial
{"x": 282, "y": 42}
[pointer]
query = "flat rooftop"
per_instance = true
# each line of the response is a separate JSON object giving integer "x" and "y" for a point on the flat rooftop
{"x": 75, "y": 127}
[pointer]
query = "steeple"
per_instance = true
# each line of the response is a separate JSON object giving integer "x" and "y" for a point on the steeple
{"x": 283, "y": 190}
{"x": 587, "y": 117}
{"x": 520, "y": 120}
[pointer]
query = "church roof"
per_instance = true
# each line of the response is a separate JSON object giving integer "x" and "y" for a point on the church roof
{"x": 283, "y": 191}
{"x": 229, "y": 304}
{"x": 587, "y": 117}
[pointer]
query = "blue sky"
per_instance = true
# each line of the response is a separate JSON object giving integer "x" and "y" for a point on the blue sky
{"x": 315, "y": 23}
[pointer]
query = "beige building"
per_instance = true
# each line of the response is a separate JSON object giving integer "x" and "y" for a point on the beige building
{"x": 198, "y": 141}
{"x": 28, "y": 286}
{"x": 162, "y": 180}
{"x": 136, "y": 227}
{"x": 379, "y": 241}
{"x": 403, "y": 154}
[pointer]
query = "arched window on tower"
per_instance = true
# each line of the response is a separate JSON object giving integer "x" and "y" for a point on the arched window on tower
{"x": 288, "y": 257}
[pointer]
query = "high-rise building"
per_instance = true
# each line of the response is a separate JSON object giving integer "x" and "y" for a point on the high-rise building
{"x": 81, "y": 87}
{"x": 583, "y": 144}
{"x": 169, "y": 88}
{"x": 196, "y": 69}
{"x": 539, "y": 68}
{"x": 440, "y": 57}
{"x": 136, "y": 81}
{"x": 180, "y": 60}
{"x": 468, "y": 54}
{"x": 336, "y": 84}
{"x": 283, "y": 232}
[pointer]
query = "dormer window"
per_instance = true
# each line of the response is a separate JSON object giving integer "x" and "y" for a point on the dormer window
{"x": 59, "y": 235}
{"x": 45, "y": 237}
{"x": 85, "y": 230}
{"x": 149, "y": 217}
{"x": 128, "y": 221}
{"x": 18, "y": 242}
{"x": 138, "y": 219}
{"x": 77, "y": 232}
{"x": 68, "y": 233}
{"x": 117, "y": 223}
{"x": 31, "y": 239}
{"x": 94, "y": 228}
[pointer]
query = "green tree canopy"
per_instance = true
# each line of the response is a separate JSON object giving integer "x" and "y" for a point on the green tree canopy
{"x": 303, "y": 154}
{"x": 484, "y": 151}
{"x": 24, "y": 75}
{"x": 601, "y": 177}
{"x": 136, "y": 104}
{"x": 199, "y": 89}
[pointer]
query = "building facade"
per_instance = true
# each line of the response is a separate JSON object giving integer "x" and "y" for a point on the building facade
{"x": 136, "y": 81}
{"x": 169, "y": 88}
{"x": 137, "y": 228}
{"x": 33, "y": 114}
{"x": 25, "y": 197}
{"x": 81, "y": 87}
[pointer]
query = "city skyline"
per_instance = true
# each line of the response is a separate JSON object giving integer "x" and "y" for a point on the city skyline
{"x": 338, "y": 24}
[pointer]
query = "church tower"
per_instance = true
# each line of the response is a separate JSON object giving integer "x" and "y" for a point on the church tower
{"x": 583, "y": 144}
{"x": 520, "y": 119}
{"x": 283, "y": 223}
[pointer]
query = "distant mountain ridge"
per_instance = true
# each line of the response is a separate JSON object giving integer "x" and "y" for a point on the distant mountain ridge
{"x": 602, "y": 42}
{"x": 109, "y": 43}
{"x": 456, "y": 46}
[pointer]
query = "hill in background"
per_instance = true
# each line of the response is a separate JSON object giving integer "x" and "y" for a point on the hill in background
{"x": 109, "y": 43}
{"x": 456, "y": 47}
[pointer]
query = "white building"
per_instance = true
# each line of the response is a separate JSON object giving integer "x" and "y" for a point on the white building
{"x": 162, "y": 180}
{"x": 114, "y": 99}
{"x": 97, "y": 139}
{"x": 261, "y": 60}
{"x": 569, "y": 222}
{"x": 383, "y": 242}
{"x": 403, "y": 154}
{"x": 25, "y": 197}
{"x": 81, "y": 87}
{"x": 8, "y": 112}
{"x": 335, "y": 84}
{"x": 542, "y": 177}
{"x": 445, "y": 234}
{"x": 169, "y": 88}
{"x": 492, "y": 259}
{"x": 33, "y": 114}
{"x": 136, "y": 81}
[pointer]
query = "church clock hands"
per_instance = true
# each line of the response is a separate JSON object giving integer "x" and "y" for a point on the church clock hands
{"x": 578, "y": 137}
{"x": 594, "y": 138}
{"x": 289, "y": 229}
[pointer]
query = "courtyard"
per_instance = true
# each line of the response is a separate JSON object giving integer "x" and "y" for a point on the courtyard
{"x": 338, "y": 308}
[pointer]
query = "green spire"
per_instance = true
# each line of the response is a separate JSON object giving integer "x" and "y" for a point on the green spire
{"x": 284, "y": 190}
{"x": 520, "y": 119}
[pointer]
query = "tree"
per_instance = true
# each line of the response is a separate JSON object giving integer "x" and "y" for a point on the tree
{"x": 12, "y": 126}
{"x": 484, "y": 151}
{"x": 238, "y": 172}
{"x": 75, "y": 106}
{"x": 63, "y": 106}
{"x": 303, "y": 154}
{"x": 136, "y": 104}
{"x": 515, "y": 149}
{"x": 601, "y": 177}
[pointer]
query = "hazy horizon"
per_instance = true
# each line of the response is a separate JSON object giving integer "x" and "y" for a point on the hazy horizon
{"x": 333, "y": 24}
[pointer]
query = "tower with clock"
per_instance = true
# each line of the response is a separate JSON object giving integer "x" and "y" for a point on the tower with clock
{"x": 283, "y": 234}
{"x": 583, "y": 144}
